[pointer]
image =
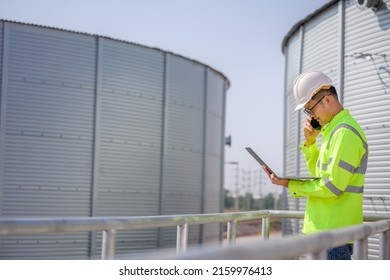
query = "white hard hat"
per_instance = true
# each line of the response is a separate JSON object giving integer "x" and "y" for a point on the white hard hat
{"x": 308, "y": 84}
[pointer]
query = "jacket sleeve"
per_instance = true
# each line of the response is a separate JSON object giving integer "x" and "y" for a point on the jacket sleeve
{"x": 311, "y": 156}
{"x": 345, "y": 153}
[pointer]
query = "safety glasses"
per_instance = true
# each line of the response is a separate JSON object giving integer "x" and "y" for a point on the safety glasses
{"x": 309, "y": 112}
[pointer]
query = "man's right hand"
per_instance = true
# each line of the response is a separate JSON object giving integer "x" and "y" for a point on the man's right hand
{"x": 309, "y": 132}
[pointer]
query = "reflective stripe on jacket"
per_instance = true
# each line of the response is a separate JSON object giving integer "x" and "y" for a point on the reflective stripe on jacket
{"x": 335, "y": 200}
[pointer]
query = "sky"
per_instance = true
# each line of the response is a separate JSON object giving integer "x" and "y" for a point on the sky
{"x": 240, "y": 38}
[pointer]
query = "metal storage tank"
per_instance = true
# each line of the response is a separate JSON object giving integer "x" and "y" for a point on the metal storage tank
{"x": 350, "y": 42}
{"x": 93, "y": 126}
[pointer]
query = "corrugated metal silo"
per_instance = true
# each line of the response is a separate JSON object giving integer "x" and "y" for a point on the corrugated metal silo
{"x": 332, "y": 40}
{"x": 92, "y": 126}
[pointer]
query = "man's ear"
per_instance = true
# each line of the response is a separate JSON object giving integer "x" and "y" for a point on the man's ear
{"x": 328, "y": 99}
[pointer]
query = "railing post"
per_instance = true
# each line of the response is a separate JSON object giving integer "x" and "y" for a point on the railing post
{"x": 232, "y": 232}
{"x": 181, "y": 238}
{"x": 265, "y": 228}
{"x": 361, "y": 249}
{"x": 384, "y": 245}
{"x": 108, "y": 244}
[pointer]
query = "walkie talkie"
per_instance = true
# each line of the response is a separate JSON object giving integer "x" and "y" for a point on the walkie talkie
{"x": 315, "y": 124}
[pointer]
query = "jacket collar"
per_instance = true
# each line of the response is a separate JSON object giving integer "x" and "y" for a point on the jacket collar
{"x": 335, "y": 121}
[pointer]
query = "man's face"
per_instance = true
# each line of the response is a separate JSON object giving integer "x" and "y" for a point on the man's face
{"x": 312, "y": 104}
{"x": 315, "y": 108}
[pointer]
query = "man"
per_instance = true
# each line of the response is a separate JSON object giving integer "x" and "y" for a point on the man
{"x": 335, "y": 200}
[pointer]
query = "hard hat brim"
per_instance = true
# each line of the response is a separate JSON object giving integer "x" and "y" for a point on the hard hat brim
{"x": 301, "y": 105}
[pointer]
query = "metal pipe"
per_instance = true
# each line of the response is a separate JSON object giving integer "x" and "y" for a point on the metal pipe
{"x": 108, "y": 244}
{"x": 295, "y": 246}
{"x": 51, "y": 225}
{"x": 384, "y": 245}
{"x": 232, "y": 232}
{"x": 181, "y": 239}
{"x": 109, "y": 226}
{"x": 341, "y": 51}
{"x": 361, "y": 246}
{"x": 265, "y": 228}
{"x": 15, "y": 226}
{"x": 298, "y": 125}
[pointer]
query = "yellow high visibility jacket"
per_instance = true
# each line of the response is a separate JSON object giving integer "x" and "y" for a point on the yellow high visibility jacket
{"x": 335, "y": 200}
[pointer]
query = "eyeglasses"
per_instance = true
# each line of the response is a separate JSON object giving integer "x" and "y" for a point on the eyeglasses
{"x": 309, "y": 112}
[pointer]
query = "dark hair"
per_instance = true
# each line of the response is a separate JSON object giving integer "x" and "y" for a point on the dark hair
{"x": 331, "y": 91}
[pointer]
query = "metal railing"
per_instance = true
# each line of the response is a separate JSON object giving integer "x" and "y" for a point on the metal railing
{"x": 315, "y": 244}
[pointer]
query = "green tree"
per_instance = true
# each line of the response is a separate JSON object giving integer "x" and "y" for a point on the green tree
{"x": 269, "y": 202}
{"x": 229, "y": 200}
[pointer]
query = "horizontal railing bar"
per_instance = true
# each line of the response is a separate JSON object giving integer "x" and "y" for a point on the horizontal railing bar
{"x": 286, "y": 214}
{"x": 313, "y": 244}
{"x": 10, "y": 226}
{"x": 15, "y": 226}
{"x": 289, "y": 247}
